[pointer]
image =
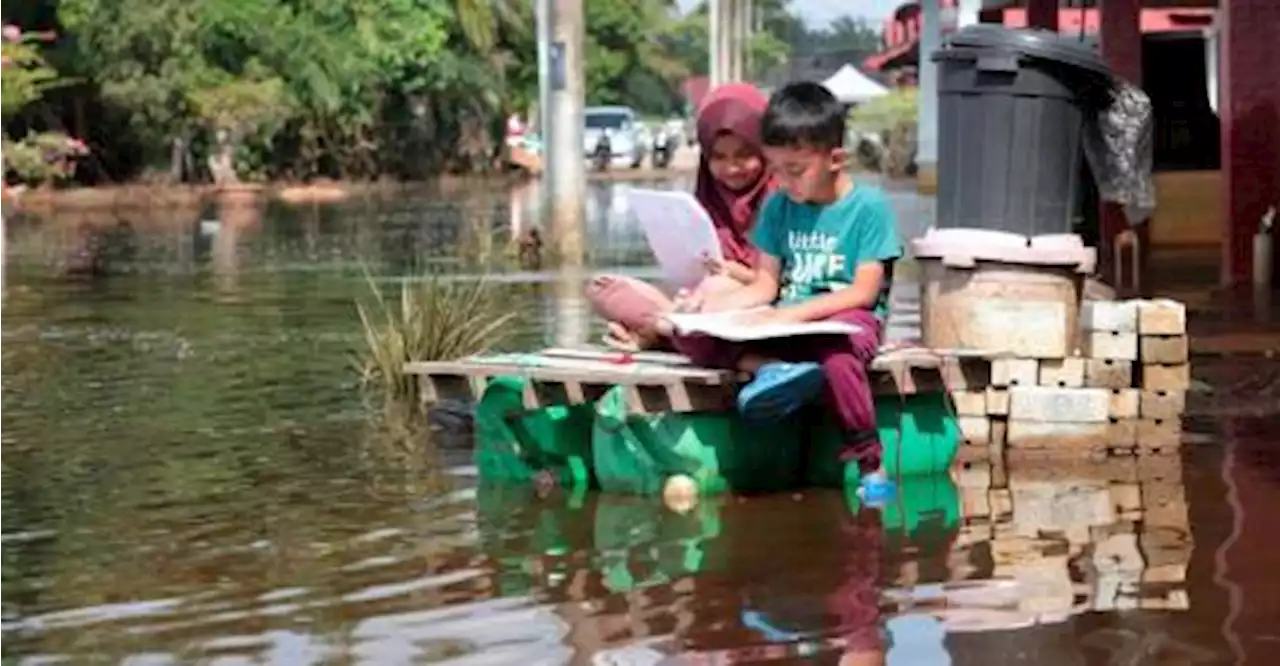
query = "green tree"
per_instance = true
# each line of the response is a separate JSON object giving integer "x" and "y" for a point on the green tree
{"x": 35, "y": 157}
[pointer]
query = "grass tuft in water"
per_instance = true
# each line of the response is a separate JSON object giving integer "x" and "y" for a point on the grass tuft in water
{"x": 432, "y": 320}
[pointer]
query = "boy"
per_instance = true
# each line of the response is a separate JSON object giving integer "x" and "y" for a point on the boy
{"x": 827, "y": 251}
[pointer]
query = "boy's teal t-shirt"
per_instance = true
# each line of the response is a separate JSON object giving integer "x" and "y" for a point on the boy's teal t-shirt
{"x": 822, "y": 245}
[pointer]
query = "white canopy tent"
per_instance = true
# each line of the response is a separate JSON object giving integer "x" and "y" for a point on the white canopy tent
{"x": 853, "y": 87}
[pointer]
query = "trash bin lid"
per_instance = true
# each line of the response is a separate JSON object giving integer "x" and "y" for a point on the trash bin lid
{"x": 1031, "y": 42}
{"x": 963, "y": 247}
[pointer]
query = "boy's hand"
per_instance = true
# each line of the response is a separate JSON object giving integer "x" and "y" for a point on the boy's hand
{"x": 769, "y": 316}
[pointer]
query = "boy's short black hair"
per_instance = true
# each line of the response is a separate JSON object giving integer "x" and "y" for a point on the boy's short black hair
{"x": 803, "y": 114}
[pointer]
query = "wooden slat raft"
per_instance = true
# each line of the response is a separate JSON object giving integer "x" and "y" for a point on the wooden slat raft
{"x": 660, "y": 382}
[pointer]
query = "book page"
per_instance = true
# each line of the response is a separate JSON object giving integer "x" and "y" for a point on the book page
{"x": 679, "y": 231}
{"x": 729, "y": 326}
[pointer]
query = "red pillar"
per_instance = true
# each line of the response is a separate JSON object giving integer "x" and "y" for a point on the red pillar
{"x": 1121, "y": 37}
{"x": 1249, "y": 108}
{"x": 1042, "y": 14}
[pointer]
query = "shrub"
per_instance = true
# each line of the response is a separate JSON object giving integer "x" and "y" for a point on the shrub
{"x": 433, "y": 319}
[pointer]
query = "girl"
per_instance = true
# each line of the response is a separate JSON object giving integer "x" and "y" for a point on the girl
{"x": 731, "y": 184}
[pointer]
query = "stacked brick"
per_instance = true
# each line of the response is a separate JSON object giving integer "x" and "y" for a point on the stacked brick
{"x": 1122, "y": 392}
{"x": 1124, "y": 522}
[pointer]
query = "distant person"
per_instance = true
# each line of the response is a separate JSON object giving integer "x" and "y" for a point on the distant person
{"x": 826, "y": 252}
{"x": 732, "y": 183}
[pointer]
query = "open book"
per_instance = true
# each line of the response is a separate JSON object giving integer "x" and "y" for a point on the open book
{"x": 679, "y": 231}
{"x": 729, "y": 326}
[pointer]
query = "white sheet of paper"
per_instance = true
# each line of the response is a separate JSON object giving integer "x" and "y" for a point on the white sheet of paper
{"x": 726, "y": 326}
{"x": 679, "y": 231}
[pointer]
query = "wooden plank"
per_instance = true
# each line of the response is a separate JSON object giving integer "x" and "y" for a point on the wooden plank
{"x": 581, "y": 375}
{"x": 565, "y": 370}
{"x": 595, "y": 353}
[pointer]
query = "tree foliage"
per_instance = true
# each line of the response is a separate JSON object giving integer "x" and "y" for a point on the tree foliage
{"x": 348, "y": 88}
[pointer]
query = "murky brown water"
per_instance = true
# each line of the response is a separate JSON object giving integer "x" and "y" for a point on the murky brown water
{"x": 190, "y": 477}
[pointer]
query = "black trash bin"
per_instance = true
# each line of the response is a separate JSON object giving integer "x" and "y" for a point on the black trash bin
{"x": 1011, "y": 109}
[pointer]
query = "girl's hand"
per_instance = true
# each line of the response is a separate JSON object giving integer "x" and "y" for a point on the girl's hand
{"x": 687, "y": 301}
{"x": 741, "y": 273}
{"x": 715, "y": 266}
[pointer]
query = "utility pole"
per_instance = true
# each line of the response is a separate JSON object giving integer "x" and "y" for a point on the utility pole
{"x": 715, "y": 30}
{"x": 562, "y": 86}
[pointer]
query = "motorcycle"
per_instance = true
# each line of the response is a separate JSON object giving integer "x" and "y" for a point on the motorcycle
{"x": 663, "y": 148}
{"x": 603, "y": 154}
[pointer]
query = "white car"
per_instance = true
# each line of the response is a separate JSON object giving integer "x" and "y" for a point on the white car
{"x": 628, "y": 138}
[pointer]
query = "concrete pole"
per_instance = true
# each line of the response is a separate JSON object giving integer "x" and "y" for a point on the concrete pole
{"x": 715, "y": 33}
{"x": 566, "y": 162}
{"x": 739, "y": 46}
{"x": 927, "y": 105}
{"x": 742, "y": 26}
{"x": 735, "y": 45}
{"x": 542, "y": 12}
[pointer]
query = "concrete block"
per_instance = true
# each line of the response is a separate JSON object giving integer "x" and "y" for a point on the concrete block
{"x": 1122, "y": 433}
{"x": 968, "y": 456}
{"x": 970, "y": 403}
{"x": 1164, "y": 468}
{"x": 1108, "y": 373}
{"x": 1001, "y": 503}
{"x": 965, "y": 373}
{"x": 1164, "y": 405}
{"x": 999, "y": 436}
{"x": 1166, "y": 545}
{"x": 997, "y": 401}
{"x": 974, "y": 477}
{"x": 1059, "y": 405}
{"x": 1162, "y": 316}
{"x": 1163, "y": 349}
{"x": 1126, "y": 496}
{"x": 974, "y": 430}
{"x": 1110, "y": 316}
{"x": 974, "y": 503}
{"x": 1117, "y": 346}
{"x": 1014, "y": 372}
{"x": 1165, "y": 514}
{"x": 1173, "y": 600}
{"x": 1166, "y": 377}
{"x": 1160, "y": 434}
{"x": 1125, "y": 403}
{"x": 1062, "y": 372}
{"x": 1064, "y": 437}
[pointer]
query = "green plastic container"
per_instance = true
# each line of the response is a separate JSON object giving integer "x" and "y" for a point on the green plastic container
{"x": 539, "y": 544}
{"x": 636, "y": 454}
{"x": 513, "y": 444}
{"x": 919, "y": 433}
{"x": 518, "y": 530}
{"x": 604, "y": 446}
{"x": 640, "y": 543}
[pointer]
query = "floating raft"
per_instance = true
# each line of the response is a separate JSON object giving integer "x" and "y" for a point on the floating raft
{"x": 659, "y": 382}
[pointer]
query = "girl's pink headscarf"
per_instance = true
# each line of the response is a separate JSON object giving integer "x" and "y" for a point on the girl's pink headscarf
{"x": 735, "y": 108}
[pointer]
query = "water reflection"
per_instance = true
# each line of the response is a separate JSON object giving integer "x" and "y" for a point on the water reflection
{"x": 190, "y": 476}
{"x": 494, "y": 571}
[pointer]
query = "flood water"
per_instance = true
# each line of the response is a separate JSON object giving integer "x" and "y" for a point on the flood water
{"x": 191, "y": 476}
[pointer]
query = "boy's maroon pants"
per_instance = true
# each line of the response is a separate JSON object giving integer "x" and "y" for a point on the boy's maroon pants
{"x": 844, "y": 360}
